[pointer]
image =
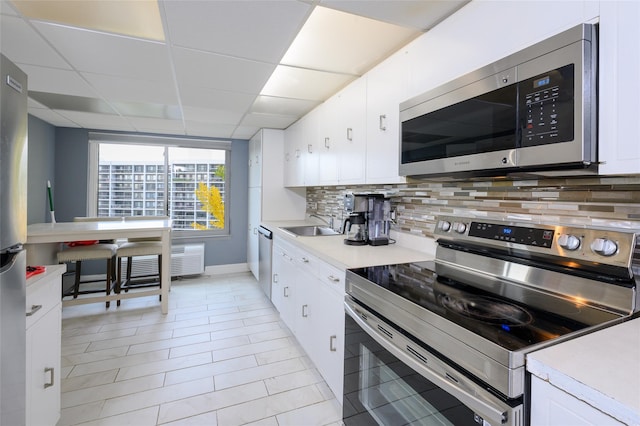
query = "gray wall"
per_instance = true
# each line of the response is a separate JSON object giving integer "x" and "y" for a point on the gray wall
{"x": 70, "y": 193}
{"x": 41, "y": 166}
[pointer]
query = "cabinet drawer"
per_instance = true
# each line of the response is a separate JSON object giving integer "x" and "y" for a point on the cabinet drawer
{"x": 331, "y": 276}
{"x": 42, "y": 296}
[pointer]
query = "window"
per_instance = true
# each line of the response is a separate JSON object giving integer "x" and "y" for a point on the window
{"x": 185, "y": 179}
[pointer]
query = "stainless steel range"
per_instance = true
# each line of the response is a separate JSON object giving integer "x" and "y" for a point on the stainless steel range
{"x": 445, "y": 342}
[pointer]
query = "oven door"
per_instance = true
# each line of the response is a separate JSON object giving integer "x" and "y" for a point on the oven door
{"x": 391, "y": 380}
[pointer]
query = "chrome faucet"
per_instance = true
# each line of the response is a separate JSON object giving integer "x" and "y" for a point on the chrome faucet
{"x": 329, "y": 222}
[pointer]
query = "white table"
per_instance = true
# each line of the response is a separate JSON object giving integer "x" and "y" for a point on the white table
{"x": 44, "y": 241}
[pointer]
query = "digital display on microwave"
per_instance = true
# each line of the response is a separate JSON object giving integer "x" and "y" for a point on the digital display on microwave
{"x": 541, "y": 82}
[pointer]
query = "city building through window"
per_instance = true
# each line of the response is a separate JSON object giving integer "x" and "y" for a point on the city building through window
{"x": 161, "y": 177}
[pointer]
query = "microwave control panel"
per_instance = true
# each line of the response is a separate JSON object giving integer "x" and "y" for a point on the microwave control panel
{"x": 546, "y": 107}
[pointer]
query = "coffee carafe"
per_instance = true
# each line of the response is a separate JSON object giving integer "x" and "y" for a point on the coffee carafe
{"x": 379, "y": 220}
{"x": 355, "y": 227}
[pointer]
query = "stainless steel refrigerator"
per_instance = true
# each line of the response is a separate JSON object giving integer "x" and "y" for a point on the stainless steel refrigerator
{"x": 13, "y": 234}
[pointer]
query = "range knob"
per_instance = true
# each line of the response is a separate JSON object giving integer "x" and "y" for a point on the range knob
{"x": 459, "y": 227}
{"x": 569, "y": 242}
{"x": 604, "y": 246}
{"x": 444, "y": 225}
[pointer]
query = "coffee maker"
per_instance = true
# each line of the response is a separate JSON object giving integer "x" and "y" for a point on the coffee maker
{"x": 355, "y": 224}
{"x": 368, "y": 219}
{"x": 378, "y": 220}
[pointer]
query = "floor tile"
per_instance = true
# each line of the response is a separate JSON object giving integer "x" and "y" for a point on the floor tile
{"x": 221, "y": 356}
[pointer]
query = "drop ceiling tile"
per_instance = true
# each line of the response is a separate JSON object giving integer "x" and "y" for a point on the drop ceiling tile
{"x": 21, "y": 44}
{"x": 209, "y": 115}
{"x": 421, "y": 15}
{"x": 52, "y": 117}
{"x": 114, "y": 88}
{"x": 300, "y": 83}
{"x": 220, "y": 72}
{"x": 245, "y": 132}
{"x": 271, "y": 121}
{"x": 89, "y": 120}
{"x": 54, "y": 80}
{"x": 283, "y": 106}
{"x": 353, "y": 44}
{"x": 201, "y": 97}
{"x": 259, "y": 30}
{"x": 103, "y": 53}
{"x": 155, "y": 125}
{"x": 6, "y": 8}
{"x": 198, "y": 128}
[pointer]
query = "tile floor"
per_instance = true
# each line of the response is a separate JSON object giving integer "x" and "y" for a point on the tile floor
{"x": 220, "y": 356}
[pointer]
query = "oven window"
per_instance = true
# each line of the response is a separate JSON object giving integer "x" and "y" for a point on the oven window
{"x": 380, "y": 389}
{"x": 485, "y": 123}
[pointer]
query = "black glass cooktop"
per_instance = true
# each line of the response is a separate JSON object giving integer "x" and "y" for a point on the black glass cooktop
{"x": 505, "y": 322}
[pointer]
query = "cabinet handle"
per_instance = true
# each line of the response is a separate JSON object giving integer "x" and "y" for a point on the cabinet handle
{"x": 326, "y": 143}
{"x": 34, "y": 309}
{"x": 310, "y": 149}
{"x": 349, "y": 134}
{"x": 275, "y": 278}
{"x": 51, "y": 375}
{"x": 334, "y": 279}
{"x": 304, "y": 311}
{"x": 297, "y": 153}
{"x": 255, "y": 231}
{"x": 305, "y": 260}
{"x": 332, "y": 340}
{"x": 286, "y": 156}
{"x": 383, "y": 120}
{"x": 286, "y": 292}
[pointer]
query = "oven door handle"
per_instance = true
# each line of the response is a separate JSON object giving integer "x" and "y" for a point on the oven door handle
{"x": 495, "y": 412}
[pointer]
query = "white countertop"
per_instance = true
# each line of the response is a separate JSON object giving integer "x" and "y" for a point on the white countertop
{"x": 331, "y": 248}
{"x": 601, "y": 368}
{"x": 50, "y": 270}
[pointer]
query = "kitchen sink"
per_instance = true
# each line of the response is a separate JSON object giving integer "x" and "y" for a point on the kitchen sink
{"x": 309, "y": 230}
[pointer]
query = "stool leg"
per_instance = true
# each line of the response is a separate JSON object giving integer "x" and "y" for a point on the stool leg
{"x": 160, "y": 274}
{"x": 76, "y": 284}
{"x": 119, "y": 278}
{"x": 108, "y": 281}
{"x": 128, "y": 276}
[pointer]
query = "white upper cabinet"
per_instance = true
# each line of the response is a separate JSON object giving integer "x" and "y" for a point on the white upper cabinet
{"x": 343, "y": 135}
{"x": 386, "y": 88}
{"x": 302, "y": 150}
{"x": 619, "y": 91}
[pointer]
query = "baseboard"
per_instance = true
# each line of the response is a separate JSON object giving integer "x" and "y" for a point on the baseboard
{"x": 226, "y": 269}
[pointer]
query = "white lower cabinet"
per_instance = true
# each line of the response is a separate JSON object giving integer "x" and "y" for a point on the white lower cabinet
{"x": 44, "y": 315}
{"x": 553, "y": 406}
{"x": 309, "y": 295}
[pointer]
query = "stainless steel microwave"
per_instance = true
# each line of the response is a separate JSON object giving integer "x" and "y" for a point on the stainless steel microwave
{"x": 533, "y": 111}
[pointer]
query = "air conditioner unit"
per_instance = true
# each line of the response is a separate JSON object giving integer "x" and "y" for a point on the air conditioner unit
{"x": 187, "y": 259}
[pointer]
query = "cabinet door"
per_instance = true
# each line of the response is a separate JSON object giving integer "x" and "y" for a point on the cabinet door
{"x": 293, "y": 170}
{"x": 386, "y": 89}
{"x": 255, "y": 160}
{"x": 329, "y": 335}
{"x": 552, "y": 406}
{"x": 43, "y": 369}
{"x": 283, "y": 285}
{"x": 255, "y": 201}
{"x": 351, "y": 133}
{"x": 619, "y": 93}
{"x": 329, "y": 134}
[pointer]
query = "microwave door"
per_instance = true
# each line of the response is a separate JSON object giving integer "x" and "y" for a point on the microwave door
{"x": 557, "y": 109}
{"x": 478, "y": 133}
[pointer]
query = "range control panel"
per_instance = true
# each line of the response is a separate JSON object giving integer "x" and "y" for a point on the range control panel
{"x": 612, "y": 247}
{"x": 514, "y": 234}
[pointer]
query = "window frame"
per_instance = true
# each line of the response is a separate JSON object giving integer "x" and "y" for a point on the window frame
{"x": 97, "y": 138}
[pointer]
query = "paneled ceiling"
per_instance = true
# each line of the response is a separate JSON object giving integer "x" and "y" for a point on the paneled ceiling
{"x": 210, "y": 68}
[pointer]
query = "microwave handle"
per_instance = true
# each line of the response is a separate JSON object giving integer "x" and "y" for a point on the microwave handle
{"x": 446, "y": 382}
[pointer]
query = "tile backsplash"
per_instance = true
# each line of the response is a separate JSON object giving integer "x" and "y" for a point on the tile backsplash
{"x": 596, "y": 201}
